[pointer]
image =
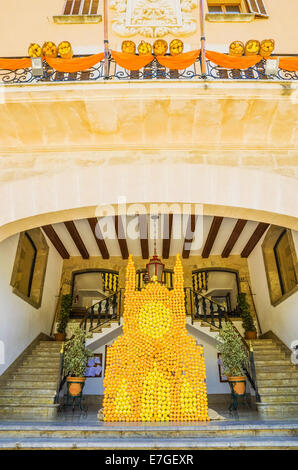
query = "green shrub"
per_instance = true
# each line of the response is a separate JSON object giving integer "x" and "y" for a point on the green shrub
{"x": 76, "y": 354}
{"x": 66, "y": 303}
{"x": 247, "y": 320}
{"x": 233, "y": 352}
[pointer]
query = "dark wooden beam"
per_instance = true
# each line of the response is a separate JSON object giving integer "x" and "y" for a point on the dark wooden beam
{"x": 191, "y": 225}
{"x": 143, "y": 225}
{"x": 167, "y": 235}
{"x": 73, "y": 232}
{"x": 93, "y": 222}
{"x": 256, "y": 236}
{"x": 50, "y": 232}
{"x": 121, "y": 236}
{"x": 237, "y": 230}
{"x": 216, "y": 223}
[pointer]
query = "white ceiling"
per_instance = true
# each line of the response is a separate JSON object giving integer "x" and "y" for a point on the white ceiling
{"x": 133, "y": 238}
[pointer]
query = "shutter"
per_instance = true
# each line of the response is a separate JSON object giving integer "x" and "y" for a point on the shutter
{"x": 68, "y": 7}
{"x": 76, "y": 7}
{"x": 257, "y": 7}
{"x": 94, "y": 7}
{"x": 86, "y": 7}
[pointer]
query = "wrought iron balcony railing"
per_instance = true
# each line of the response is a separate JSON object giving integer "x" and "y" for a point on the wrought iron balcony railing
{"x": 152, "y": 71}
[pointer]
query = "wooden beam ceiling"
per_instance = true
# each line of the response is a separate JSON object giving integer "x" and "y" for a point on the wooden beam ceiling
{"x": 256, "y": 236}
{"x": 191, "y": 225}
{"x": 93, "y": 222}
{"x": 143, "y": 228}
{"x": 52, "y": 235}
{"x": 167, "y": 235}
{"x": 121, "y": 236}
{"x": 73, "y": 232}
{"x": 239, "y": 226}
{"x": 216, "y": 223}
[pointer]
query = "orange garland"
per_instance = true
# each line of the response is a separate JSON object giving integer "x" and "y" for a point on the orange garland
{"x": 135, "y": 62}
{"x": 14, "y": 64}
{"x": 76, "y": 64}
{"x": 289, "y": 63}
{"x": 180, "y": 61}
{"x": 131, "y": 61}
{"x": 232, "y": 62}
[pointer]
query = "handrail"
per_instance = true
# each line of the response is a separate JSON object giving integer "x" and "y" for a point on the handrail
{"x": 61, "y": 380}
{"x": 87, "y": 308}
{"x": 222, "y": 313}
{"x": 113, "y": 300}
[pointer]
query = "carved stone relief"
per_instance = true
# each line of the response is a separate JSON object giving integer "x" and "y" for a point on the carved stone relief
{"x": 154, "y": 18}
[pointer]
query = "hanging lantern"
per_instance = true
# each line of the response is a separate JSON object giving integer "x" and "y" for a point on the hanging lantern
{"x": 155, "y": 267}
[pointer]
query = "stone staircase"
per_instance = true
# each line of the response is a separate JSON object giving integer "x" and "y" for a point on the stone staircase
{"x": 277, "y": 380}
{"x": 30, "y": 388}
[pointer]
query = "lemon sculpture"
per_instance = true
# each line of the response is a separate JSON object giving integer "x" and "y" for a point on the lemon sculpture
{"x": 155, "y": 371}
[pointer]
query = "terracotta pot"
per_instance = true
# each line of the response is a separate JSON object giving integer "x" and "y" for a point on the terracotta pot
{"x": 250, "y": 335}
{"x": 60, "y": 336}
{"x": 239, "y": 388}
{"x": 75, "y": 385}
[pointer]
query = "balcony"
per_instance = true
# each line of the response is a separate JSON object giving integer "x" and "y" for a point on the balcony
{"x": 153, "y": 71}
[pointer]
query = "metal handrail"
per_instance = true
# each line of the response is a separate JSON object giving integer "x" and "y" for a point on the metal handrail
{"x": 116, "y": 298}
{"x": 249, "y": 372}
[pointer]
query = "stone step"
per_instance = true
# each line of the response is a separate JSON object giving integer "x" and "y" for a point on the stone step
{"x": 278, "y": 398}
{"x": 262, "y": 341}
{"x": 278, "y": 410}
{"x": 27, "y": 392}
{"x": 281, "y": 390}
{"x": 38, "y": 369}
{"x": 29, "y": 382}
{"x": 31, "y": 410}
{"x": 277, "y": 374}
{"x": 38, "y": 376}
{"x": 272, "y": 362}
{"x": 277, "y": 382}
{"x": 16, "y": 400}
{"x": 147, "y": 430}
{"x": 275, "y": 369}
{"x": 41, "y": 362}
{"x": 43, "y": 354}
{"x": 274, "y": 356}
{"x": 213, "y": 443}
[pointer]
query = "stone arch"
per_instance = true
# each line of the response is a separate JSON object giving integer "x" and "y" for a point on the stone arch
{"x": 79, "y": 193}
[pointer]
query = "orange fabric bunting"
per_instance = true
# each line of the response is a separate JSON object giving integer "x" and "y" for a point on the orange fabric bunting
{"x": 179, "y": 62}
{"x": 289, "y": 63}
{"x": 131, "y": 61}
{"x": 231, "y": 62}
{"x": 76, "y": 64}
{"x": 14, "y": 64}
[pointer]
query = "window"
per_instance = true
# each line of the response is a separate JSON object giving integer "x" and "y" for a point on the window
{"x": 237, "y": 7}
{"x": 281, "y": 265}
{"x": 284, "y": 263}
{"x": 29, "y": 268}
{"x": 224, "y": 8}
{"x": 27, "y": 265}
{"x": 79, "y": 12}
{"x": 81, "y": 7}
{"x": 257, "y": 7}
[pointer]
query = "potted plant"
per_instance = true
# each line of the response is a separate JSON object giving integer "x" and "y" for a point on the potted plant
{"x": 247, "y": 320}
{"x": 233, "y": 355}
{"x": 75, "y": 361}
{"x": 66, "y": 303}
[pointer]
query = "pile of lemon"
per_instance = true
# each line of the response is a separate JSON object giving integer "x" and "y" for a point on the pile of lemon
{"x": 34, "y": 50}
{"x": 65, "y": 50}
{"x": 49, "y": 49}
{"x": 155, "y": 371}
